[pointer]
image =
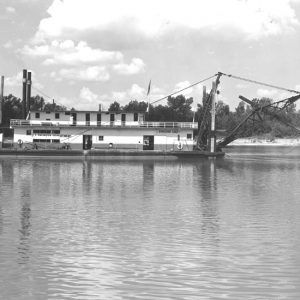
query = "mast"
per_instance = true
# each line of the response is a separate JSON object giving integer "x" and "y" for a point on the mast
{"x": 213, "y": 118}
{"x": 206, "y": 126}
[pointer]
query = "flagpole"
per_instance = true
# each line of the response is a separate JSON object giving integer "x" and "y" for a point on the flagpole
{"x": 148, "y": 99}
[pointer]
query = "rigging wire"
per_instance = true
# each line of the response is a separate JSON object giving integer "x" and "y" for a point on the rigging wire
{"x": 41, "y": 92}
{"x": 165, "y": 97}
{"x": 45, "y": 95}
{"x": 260, "y": 83}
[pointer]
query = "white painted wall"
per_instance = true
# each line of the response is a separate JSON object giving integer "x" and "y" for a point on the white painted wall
{"x": 134, "y": 137}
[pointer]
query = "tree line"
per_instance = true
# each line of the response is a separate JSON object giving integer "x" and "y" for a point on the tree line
{"x": 178, "y": 109}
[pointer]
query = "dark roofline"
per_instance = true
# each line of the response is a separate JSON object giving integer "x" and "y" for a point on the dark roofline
{"x": 88, "y": 111}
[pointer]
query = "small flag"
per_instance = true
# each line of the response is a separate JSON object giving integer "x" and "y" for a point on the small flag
{"x": 149, "y": 87}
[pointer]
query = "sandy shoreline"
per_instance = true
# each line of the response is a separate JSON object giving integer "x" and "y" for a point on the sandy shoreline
{"x": 265, "y": 142}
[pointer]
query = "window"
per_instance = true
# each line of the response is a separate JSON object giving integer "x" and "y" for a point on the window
{"x": 189, "y": 136}
{"x": 37, "y": 115}
{"x": 55, "y": 141}
{"x": 100, "y": 138}
{"x": 47, "y": 112}
{"x": 112, "y": 117}
{"x": 56, "y": 115}
{"x": 87, "y": 117}
{"x": 98, "y": 117}
{"x": 28, "y": 132}
{"x": 48, "y": 120}
{"x": 123, "y": 117}
{"x": 67, "y": 113}
{"x": 135, "y": 117}
{"x": 41, "y": 141}
{"x": 56, "y": 131}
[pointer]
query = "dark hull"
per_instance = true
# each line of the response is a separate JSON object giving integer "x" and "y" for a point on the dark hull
{"x": 109, "y": 153}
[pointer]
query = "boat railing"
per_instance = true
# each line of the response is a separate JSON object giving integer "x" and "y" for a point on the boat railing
{"x": 105, "y": 124}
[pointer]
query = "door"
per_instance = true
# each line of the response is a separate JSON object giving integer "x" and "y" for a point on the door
{"x": 148, "y": 143}
{"x": 87, "y": 142}
{"x": 112, "y": 119}
{"x": 123, "y": 119}
{"x": 99, "y": 119}
{"x": 74, "y": 118}
{"x": 87, "y": 119}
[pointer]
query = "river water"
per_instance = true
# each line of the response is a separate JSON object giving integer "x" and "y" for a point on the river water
{"x": 212, "y": 229}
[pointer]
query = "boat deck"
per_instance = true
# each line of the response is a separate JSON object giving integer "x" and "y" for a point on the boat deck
{"x": 95, "y": 153}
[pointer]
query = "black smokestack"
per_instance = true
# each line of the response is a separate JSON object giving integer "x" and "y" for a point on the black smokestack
{"x": 24, "y": 93}
{"x": 28, "y": 96}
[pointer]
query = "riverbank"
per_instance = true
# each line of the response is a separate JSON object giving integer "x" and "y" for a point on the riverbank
{"x": 257, "y": 141}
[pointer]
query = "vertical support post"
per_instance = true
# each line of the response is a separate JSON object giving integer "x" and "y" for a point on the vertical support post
{"x": 28, "y": 93}
{"x": 204, "y": 95}
{"x": 213, "y": 118}
{"x": 24, "y": 94}
{"x": 1, "y": 98}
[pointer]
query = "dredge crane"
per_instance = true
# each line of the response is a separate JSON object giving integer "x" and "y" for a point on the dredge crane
{"x": 257, "y": 109}
{"x": 206, "y": 133}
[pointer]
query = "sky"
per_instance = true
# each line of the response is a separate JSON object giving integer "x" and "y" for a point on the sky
{"x": 83, "y": 53}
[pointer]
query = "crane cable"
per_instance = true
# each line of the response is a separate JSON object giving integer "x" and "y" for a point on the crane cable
{"x": 260, "y": 83}
{"x": 165, "y": 97}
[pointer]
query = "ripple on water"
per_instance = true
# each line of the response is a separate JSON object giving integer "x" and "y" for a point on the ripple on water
{"x": 225, "y": 229}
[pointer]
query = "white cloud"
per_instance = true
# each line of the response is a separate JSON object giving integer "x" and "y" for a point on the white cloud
{"x": 274, "y": 94}
{"x": 254, "y": 18}
{"x": 8, "y": 45}
{"x": 90, "y": 99}
{"x": 86, "y": 100}
{"x": 81, "y": 59}
{"x": 267, "y": 93}
{"x": 17, "y": 80}
{"x": 13, "y": 84}
{"x": 68, "y": 53}
{"x": 92, "y": 73}
{"x": 242, "y": 86}
{"x": 10, "y": 9}
{"x": 182, "y": 85}
{"x": 134, "y": 93}
{"x": 136, "y": 66}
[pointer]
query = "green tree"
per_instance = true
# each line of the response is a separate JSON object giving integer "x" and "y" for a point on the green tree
{"x": 11, "y": 109}
{"x": 181, "y": 108}
{"x": 134, "y": 105}
{"x": 37, "y": 103}
{"x": 115, "y": 106}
